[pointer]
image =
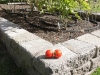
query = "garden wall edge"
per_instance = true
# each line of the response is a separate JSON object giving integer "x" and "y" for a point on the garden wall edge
{"x": 11, "y": 36}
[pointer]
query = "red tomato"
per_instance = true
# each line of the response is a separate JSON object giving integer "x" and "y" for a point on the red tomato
{"x": 57, "y": 53}
{"x": 49, "y": 54}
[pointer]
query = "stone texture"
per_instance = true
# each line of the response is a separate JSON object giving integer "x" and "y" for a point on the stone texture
{"x": 2, "y": 20}
{"x": 95, "y": 62}
{"x": 35, "y": 46}
{"x": 22, "y": 45}
{"x": 83, "y": 69}
{"x": 28, "y": 50}
{"x": 89, "y": 38}
{"x": 6, "y": 26}
{"x": 90, "y": 72}
{"x": 96, "y": 33}
{"x": 24, "y": 61}
{"x": 86, "y": 51}
{"x": 21, "y": 35}
{"x": 22, "y": 38}
{"x": 55, "y": 66}
{"x": 4, "y": 38}
{"x": 17, "y": 33}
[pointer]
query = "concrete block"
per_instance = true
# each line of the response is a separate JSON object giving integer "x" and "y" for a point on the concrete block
{"x": 28, "y": 50}
{"x": 4, "y": 38}
{"x": 6, "y": 26}
{"x": 67, "y": 53}
{"x": 35, "y": 46}
{"x": 21, "y": 35}
{"x": 90, "y": 72}
{"x": 25, "y": 51}
{"x": 32, "y": 71}
{"x": 86, "y": 51}
{"x": 83, "y": 69}
{"x": 55, "y": 66}
{"x": 2, "y": 20}
{"x": 16, "y": 33}
{"x": 89, "y": 38}
{"x": 23, "y": 60}
{"x": 95, "y": 62}
{"x": 22, "y": 45}
{"x": 96, "y": 33}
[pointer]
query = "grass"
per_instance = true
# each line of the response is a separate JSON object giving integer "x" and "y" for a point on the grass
{"x": 7, "y": 65}
{"x": 97, "y": 72}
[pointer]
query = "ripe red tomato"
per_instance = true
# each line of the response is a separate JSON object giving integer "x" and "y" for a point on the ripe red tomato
{"x": 57, "y": 53}
{"x": 49, "y": 53}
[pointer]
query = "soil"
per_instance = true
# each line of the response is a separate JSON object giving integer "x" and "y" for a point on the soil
{"x": 46, "y": 27}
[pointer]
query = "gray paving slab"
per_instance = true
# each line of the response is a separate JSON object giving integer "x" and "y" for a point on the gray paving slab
{"x": 85, "y": 50}
{"x": 54, "y": 66}
{"x": 83, "y": 69}
{"x": 89, "y": 38}
{"x": 95, "y": 62}
{"x": 3, "y": 20}
{"x": 21, "y": 35}
{"x": 96, "y": 33}
{"x": 35, "y": 46}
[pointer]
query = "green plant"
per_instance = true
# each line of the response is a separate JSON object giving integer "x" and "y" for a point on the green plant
{"x": 97, "y": 72}
{"x": 63, "y": 7}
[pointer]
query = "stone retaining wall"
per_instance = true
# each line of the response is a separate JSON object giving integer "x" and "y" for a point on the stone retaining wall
{"x": 81, "y": 56}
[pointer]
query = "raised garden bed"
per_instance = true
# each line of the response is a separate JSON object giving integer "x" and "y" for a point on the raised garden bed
{"x": 80, "y": 56}
{"x": 45, "y": 26}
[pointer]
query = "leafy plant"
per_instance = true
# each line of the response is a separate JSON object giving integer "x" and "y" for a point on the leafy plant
{"x": 97, "y": 72}
{"x": 63, "y": 7}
